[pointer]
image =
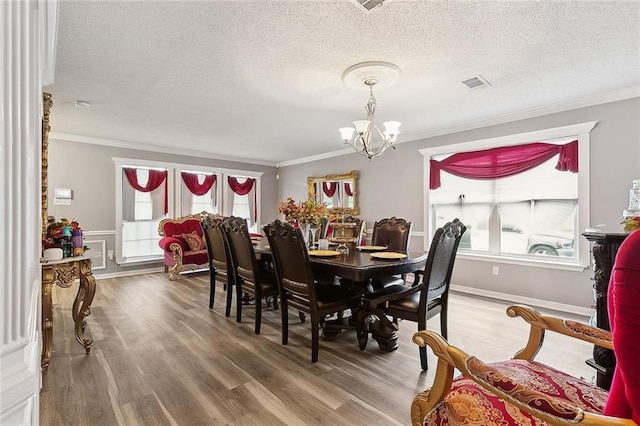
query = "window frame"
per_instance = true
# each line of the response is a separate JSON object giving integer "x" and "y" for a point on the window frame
{"x": 174, "y": 193}
{"x": 581, "y": 132}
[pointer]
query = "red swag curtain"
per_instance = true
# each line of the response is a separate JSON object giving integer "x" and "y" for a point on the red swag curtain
{"x": 244, "y": 189}
{"x": 191, "y": 182}
{"x": 329, "y": 188}
{"x": 156, "y": 178}
{"x": 347, "y": 189}
{"x": 503, "y": 162}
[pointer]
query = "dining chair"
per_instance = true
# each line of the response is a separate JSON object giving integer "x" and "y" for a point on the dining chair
{"x": 220, "y": 261}
{"x": 249, "y": 276}
{"x": 299, "y": 287}
{"x": 394, "y": 234}
{"x": 425, "y": 298}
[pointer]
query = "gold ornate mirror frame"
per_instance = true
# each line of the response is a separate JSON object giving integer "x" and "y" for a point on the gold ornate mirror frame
{"x": 47, "y": 103}
{"x": 345, "y": 203}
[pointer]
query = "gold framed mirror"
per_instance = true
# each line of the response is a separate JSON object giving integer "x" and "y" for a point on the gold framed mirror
{"x": 338, "y": 191}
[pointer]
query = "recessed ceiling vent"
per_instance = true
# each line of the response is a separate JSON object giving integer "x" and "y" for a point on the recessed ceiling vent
{"x": 477, "y": 82}
{"x": 367, "y": 5}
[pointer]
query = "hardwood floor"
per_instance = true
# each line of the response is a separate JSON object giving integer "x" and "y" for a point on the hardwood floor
{"x": 161, "y": 357}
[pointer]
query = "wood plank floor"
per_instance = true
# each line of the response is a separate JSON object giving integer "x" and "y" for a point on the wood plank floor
{"x": 161, "y": 357}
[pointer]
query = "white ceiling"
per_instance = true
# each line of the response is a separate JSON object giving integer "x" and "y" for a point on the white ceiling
{"x": 261, "y": 80}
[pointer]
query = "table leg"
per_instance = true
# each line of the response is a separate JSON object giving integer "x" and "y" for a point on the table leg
{"x": 47, "y": 319}
{"x": 82, "y": 304}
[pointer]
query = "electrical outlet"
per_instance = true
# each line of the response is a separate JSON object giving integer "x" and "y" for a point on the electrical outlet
{"x": 110, "y": 254}
{"x": 496, "y": 270}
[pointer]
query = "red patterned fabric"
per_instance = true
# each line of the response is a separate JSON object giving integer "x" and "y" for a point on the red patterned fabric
{"x": 624, "y": 317}
{"x": 469, "y": 404}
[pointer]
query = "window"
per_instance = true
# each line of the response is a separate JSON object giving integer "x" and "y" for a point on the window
{"x": 149, "y": 191}
{"x": 530, "y": 217}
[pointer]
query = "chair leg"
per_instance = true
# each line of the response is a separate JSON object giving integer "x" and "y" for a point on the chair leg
{"x": 238, "y": 302}
{"x": 315, "y": 339}
{"x": 443, "y": 320}
{"x": 285, "y": 320}
{"x": 258, "y": 312}
{"x": 423, "y": 358}
{"x": 229, "y": 289}
{"x": 212, "y": 291}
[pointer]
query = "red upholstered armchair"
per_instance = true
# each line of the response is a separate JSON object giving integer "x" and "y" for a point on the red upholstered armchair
{"x": 514, "y": 392}
{"x": 183, "y": 245}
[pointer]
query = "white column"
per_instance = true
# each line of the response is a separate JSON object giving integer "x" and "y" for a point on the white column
{"x": 27, "y": 45}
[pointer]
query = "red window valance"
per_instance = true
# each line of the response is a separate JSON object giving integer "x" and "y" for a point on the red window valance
{"x": 156, "y": 178}
{"x": 191, "y": 182}
{"x": 505, "y": 161}
{"x": 329, "y": 188}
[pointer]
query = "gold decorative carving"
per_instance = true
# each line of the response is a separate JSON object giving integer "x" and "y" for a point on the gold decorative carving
{"x": 347, "y": 205}
{"x": 62, "y": 273}
{"x": 47, "y": 103}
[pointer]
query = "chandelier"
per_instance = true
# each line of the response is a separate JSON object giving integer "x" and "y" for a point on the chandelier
{"x": 366, "y": 138}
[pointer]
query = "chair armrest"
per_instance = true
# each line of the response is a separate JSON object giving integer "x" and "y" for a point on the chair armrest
{"x": 547, "y": 408}
{"x": 539, "y": 323}
{"x": 166, "y": 244}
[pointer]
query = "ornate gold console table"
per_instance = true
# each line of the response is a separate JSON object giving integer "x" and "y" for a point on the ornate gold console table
{"x": 63, "y": 273}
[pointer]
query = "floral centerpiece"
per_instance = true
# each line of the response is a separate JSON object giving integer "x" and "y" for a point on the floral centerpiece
{"x": 308, "y": 212}
{"x": 57, "y": 230}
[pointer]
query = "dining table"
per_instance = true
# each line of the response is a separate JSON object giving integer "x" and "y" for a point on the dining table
{"x": 356, "y": 267}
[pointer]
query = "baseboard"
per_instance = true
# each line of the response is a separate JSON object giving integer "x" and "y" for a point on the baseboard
{"x": 560, "y": 307}
{"x": 128, "y": 273}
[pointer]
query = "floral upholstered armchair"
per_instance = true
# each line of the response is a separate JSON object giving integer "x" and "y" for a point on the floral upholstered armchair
{"x": 514, "y": 392}
{"x": 183, "y": 244}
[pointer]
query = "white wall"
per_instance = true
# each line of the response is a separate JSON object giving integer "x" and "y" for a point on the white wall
{"x": 28, "y": 29}
{"x": 393, "y": 185}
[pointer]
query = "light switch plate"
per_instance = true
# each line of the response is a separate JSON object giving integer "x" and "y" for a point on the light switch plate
{"x": 61, "y": 201}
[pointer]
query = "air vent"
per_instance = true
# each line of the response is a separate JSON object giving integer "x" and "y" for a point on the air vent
{"x": 367, "y": 5}
{"x": 477, "y": 82}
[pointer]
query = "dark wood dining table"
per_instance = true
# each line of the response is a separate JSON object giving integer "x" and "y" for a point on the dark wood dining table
{"x": 358, "y": 267}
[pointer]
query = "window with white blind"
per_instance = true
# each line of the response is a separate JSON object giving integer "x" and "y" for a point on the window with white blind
{"x": 149, "y": 191}
{"x": 535, "y": 216}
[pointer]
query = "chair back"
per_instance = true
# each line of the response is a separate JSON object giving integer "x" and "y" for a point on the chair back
{"x": 440, "y": 261}
{"x": 217, "y": 244}
{"x": 291, "y": 261}
{"x": 353, "y": 229}
{"x": 242, "y": 253}
{"x": 393, "y": 233}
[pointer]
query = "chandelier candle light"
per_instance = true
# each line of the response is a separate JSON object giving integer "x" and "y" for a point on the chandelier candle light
{"x": 366, "y": 138}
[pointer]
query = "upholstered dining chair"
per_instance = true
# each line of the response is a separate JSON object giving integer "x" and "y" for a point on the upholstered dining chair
{"x": 393, "y": 233}
{"x": 298, "y": 286}
{"x": 220, "y": 260}
{"x": 249, "y": 277}
{"x": 425, "y": 298}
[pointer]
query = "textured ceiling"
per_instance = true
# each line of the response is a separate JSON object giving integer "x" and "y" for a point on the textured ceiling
{"x": 261, "y": 80}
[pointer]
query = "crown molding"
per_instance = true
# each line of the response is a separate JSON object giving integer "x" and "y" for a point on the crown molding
{"x": 69, "y": 137}
{"x": 618, "y": 95}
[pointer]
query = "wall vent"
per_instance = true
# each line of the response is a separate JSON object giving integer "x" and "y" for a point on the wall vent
{"x": 367, "y": 5}
{"x": 476, "y": 82}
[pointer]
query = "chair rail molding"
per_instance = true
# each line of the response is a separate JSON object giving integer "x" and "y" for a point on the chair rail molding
{"x": 26, "y": 66}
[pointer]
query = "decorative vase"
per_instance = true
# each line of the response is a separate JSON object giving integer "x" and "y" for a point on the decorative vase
{"x": 77, "y": 239}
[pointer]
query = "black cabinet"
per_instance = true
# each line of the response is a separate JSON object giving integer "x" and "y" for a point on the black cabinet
{"x": 605, "y": 247}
